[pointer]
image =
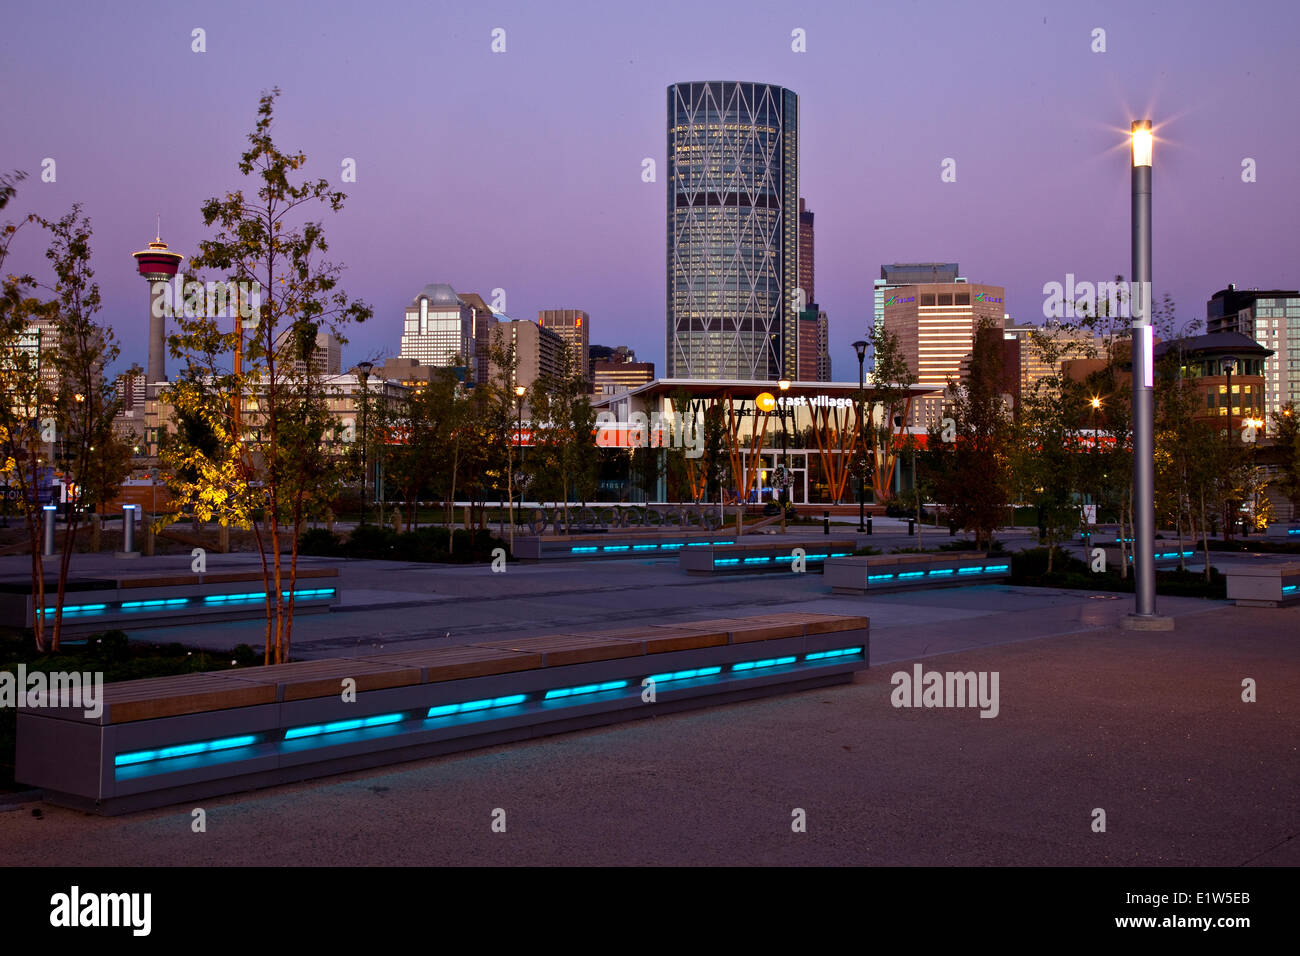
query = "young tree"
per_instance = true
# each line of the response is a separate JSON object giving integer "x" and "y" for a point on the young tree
{"x": 95, "y": 458}
{"x": 266, "y": 406}
{"x": 562, "y": 422}
{"x": 890, "y": 390}
{"x": 1050, "y": 463}
{"x": 969, "y": 462}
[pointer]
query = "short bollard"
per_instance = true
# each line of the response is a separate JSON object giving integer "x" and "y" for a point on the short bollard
{"x": 50, "y": 512}
{"x": 868, "y": 526}
{"x": 128, "y": 528}
{"x": 911, "y": 526}
{"x": 826, "y": 522}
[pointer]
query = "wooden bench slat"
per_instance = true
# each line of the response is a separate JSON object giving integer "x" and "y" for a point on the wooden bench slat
{"x": 462, "y": 660}
{"x": 560, "y": 649}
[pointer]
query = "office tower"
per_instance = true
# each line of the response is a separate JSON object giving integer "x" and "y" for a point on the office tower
{"x": 809, "y": 346}
{"x": 620, "y": 373}
{"x": 733, "y": 231}
{"x": 909, "y": 273}
{"x": 935, "y": 324}
{"x": 157, "y": 264}
{"x": 438, "y": 328}
{"x": 807, "y": 272}
{"x": 823, "y": 347}
{"x": 1025, "y": 360}
{"x": 573, "y": 326}
{"x": 326, "y": 355}
{"x": 484, "y": 320}
{"x": 1272, "y": 318}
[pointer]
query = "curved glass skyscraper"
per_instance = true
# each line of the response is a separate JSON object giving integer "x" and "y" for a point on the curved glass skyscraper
{"x": 733, "y": 231}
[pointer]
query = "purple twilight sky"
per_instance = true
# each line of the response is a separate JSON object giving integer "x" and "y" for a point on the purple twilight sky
{"x": 522, "y": 170}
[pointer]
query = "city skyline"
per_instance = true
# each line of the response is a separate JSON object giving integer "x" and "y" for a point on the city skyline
{"x": 1038, "y": 193}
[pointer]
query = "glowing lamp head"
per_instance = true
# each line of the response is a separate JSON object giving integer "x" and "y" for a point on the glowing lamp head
{"x": 1096, "y": 403}
{"x": 1142, "y": 142}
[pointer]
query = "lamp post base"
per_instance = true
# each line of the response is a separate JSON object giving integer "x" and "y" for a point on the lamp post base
{"x": 1146, "y": 622}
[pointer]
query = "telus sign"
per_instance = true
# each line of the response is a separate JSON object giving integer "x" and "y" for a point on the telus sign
{"x": 893, "y": 299}
{"x": 981, "y": 297}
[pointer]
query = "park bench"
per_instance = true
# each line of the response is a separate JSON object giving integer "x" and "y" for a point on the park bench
{"x": 166, "y": 740}
{"x": 892, "y": 572}
{"x": 1263, "y": 585}
{"x": 755, "y": 556}
{"x": 135, "y": 601}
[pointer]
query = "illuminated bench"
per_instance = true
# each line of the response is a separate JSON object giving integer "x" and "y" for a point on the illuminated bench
{"x": 634, "y": 545}
{"x": 892, "y": 572}
{"x": 1267, "y": 585}
{"x": 173, "y": 739}
{"x": 1167, "y": 554}
{"x": 129, "y": 602}
{"x": 1286, "y": 532}
{"x": 751, "y": 557}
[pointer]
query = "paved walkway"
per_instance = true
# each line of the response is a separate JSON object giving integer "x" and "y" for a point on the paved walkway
{"x": 1148, "y": 726}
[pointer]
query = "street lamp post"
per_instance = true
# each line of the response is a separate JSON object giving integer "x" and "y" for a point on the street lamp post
{"x": 519, "y": 441}
{"x": 363, "y": 371}
{"x": 784, "y": 387}
{"x": 1144, "y": 520}
{"x": 861, "y": 348}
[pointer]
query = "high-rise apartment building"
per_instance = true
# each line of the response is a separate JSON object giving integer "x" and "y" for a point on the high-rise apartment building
{"x": 733, "y": 231}
{"x": 1272, "y": 318}
{"x": 574, "y": 327}
{"x": 935, "y": 324}
{"x": 438, "y": 328}
{"x": 909, "y": 273}
{"x": 326, "y": 357}
{"x": 538, "y": 351}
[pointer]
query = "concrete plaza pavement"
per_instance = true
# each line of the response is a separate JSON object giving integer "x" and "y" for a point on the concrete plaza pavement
{"x": 1148, "y": 726}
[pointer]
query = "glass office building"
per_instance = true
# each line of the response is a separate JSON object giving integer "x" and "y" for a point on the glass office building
{"x": 733, "y": 231}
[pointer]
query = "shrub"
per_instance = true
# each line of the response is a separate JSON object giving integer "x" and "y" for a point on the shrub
{"x": 319, "y": 541}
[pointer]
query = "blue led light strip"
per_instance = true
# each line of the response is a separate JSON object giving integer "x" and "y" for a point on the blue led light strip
{"x": 445, "y": 710}
{"x": 585, "y": 689}
{"x": 183, "y": 750}
{"x": 826, "y": 655}
{"x": 768, "y": 662}
{"x": 338, "y": 726}
{"x": 685, "y": 675}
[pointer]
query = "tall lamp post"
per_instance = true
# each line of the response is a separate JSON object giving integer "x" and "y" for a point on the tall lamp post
{"x": 784, "y": 386}
{"x": 363, "y": 372}
{"x": 519, "y": 441}
{"x": 861, "y": 348}
{"x": 1144, "y": 517}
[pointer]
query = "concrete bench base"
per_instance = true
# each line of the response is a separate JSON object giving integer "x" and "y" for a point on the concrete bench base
{"x": 894, "y": 572}
{"x": 645, "y": 544}
{"x": 1269, "y": 585}
{"x": 755, "y": 556}
{"x": 159, "y": 600}
{"x": 157, "y": 749}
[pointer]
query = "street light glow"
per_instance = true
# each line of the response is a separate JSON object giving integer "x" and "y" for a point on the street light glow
{"x": 1142, "y": 142}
